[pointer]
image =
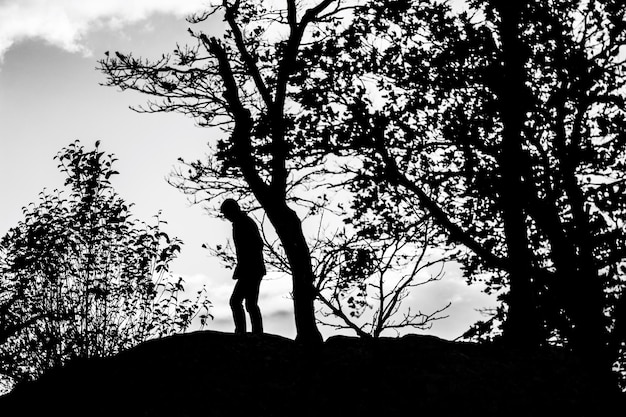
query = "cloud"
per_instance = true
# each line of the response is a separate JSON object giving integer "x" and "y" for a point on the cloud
{"x": 281, "y": 314}
{"x": 64, "y": 23}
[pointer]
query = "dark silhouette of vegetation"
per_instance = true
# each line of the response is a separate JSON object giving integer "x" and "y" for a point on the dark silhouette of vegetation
{"x": 366, "y": 270}
{"x": 250, "y": 84}
{"x": 249, "y": 270}
{"x": 506, "y": 122}
{"x": 245, "y": 84}
{"x": 79, "y": 277}
{"x": 363, "y": 279}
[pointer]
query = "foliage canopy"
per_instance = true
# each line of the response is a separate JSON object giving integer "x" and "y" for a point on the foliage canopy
{"x": 506, "y": 122}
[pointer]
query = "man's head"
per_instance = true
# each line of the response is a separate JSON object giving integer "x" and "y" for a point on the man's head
{"x": 230, "y": 209}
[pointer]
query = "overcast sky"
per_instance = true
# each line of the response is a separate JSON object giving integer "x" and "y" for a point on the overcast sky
{"x": 50, "y": 96}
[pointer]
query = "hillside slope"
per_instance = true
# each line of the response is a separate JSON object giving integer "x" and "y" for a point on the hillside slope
{"x": 217, "y": 374}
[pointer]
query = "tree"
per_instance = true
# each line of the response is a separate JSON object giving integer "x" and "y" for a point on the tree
{"x": 247, "y": 84}
{"x": 505, "y": 121}
{"x": 363, "y": 280}
{"x": 79, "y": 277}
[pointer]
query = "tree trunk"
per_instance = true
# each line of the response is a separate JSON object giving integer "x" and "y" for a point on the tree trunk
{"x": 585, "y": 295}
{"x": 523, "y": 325}
{"x": 289, "y": 229}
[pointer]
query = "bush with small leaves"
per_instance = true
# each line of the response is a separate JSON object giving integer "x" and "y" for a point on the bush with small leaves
{"x": 79, "y": 277}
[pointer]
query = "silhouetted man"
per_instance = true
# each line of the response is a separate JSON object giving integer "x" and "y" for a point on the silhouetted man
{"x": 249, "y": 270}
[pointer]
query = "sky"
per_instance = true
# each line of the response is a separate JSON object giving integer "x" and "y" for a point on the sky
{"x": 50, "y": 96}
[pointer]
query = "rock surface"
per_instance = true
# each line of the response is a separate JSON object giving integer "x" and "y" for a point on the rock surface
{"x": 217, "y": 374}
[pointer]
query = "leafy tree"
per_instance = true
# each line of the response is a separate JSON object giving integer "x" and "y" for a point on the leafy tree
{"x": 363, "y": 279}
{"x": 246, "y": 83}
{"x": 505, "y": 121}
{"x": 79, "y": 277}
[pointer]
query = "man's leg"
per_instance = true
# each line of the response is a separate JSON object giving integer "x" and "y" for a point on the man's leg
{"x": 236, "y": 301}
{"x": 252, "y": 305}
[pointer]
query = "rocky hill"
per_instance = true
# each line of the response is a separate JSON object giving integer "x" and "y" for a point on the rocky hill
{"x": 218, "y": 374}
